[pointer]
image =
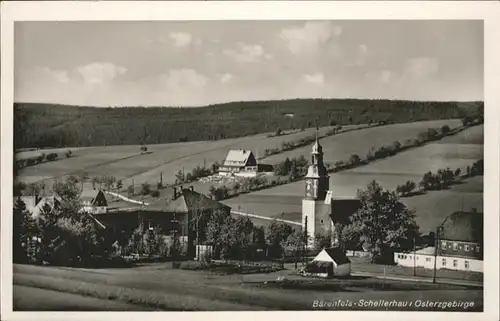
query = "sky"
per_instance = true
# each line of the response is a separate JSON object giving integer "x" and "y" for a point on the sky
{"x": 196, "y": 63}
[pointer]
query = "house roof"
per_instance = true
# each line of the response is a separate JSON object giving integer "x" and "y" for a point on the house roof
{"x": 333, "y": 254}
{"x": 463, "y": 226}
{"x": 36, "y": 208}
{"x": 188, "y": 200}
{"x": 237, "y": 157}
{"x": 90, "y": 194}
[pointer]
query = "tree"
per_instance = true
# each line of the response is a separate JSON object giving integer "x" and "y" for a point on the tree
{"x": 406, "y": 189}
{"x": 24, "y": 230}
{"x": 278, "y": 132}
{"x": 119, "y": 185}
{"x": 295, "y": 243}
{"x": 68, "y": 153}
{"x": 215, "y": 167}
{"x": 276, "y": 233}
{"x": 445, "y": 129}
{"x": 83, "y": 177}
{"x": 214, "y": 232}
{"x": 457, "y": 172}
{"x": 94, "y": 180}
{"x": 354, "y": 160}
{"x": 321, "y": 241}
{"x": 145, "y": 188}
{"x": 179, "y": 177}
{"x": 383, "y": 223}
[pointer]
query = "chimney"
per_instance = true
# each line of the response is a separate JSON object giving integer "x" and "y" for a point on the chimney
{"x": 175, "y": 193}
{"x": 191, "y": 188}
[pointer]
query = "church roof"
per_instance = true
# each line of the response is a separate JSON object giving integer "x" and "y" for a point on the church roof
{"x": 237, "y": 157}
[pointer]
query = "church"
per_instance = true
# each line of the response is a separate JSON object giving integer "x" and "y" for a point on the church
{"x": 321, "y": 211}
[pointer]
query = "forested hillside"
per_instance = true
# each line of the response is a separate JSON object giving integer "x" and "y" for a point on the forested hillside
{"x": 46, "y": 125}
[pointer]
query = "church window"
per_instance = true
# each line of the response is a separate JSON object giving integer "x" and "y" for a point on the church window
{"x": 321, "y": 221}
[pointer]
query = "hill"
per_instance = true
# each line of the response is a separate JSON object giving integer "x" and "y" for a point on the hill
{"x": 48, "y": 125}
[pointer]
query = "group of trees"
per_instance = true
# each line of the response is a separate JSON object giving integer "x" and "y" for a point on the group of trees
{"x": 47, "y": 125}
{"x": 61, "y": 234}
{"x": 196, "y": 173}
{"x": 243, "y": 185}
{"x": 442, "y": 179}
{"x": 42, "y": 158}
{"x": 381, "y": 225}
{"x": 295, "y": 167}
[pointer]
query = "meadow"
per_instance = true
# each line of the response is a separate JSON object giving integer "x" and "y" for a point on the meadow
{"x": 341, "y": 147}
{"x": 158, "y": 287}
{"x": 431, "y": 208}
{"x": 127, "y": 163}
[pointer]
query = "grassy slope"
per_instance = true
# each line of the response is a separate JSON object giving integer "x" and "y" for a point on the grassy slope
{"x": 160, "y": 287}
{"x": 431, "y": 208}
{"x": 126, "y": 162}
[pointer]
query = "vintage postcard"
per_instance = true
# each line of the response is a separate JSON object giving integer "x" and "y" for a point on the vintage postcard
{"x": 331, "y": 158}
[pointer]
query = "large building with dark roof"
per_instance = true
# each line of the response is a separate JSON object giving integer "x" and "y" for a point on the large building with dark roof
{"x": 189, "y": 208}
{"x": 459, "y": 245}
{"x": 461, "y": 235}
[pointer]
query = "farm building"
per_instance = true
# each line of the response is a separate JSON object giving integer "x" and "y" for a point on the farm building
{"x": 239, "y": 162}
{"x": 94, "y": 201}
{"x": 459, "y": 245}
{"x": 329, "y": 262}
{"x": 184, "y": 212}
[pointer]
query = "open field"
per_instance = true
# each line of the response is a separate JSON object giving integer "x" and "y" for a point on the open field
{"x": 159, "y": 287}
{"x": 126, "y": 162}
{"x": 342, "y": 146}
{"x": 431, "y": 208}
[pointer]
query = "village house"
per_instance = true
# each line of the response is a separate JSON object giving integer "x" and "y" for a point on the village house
{"x": 35, "y": 204}
{"x": 459, "y": 245}
{"x": 183, "y": 212}
{"x": 239, "y": 162}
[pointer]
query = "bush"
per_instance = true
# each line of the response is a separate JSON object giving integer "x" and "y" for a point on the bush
{"x": 155, "y": 193}
{"x": 145, "y": 189}
{"x": 68, "y": 153}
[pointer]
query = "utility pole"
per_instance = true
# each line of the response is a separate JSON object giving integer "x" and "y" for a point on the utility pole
{"x": 414, "y": 258}
{"x": 174, "y": 222}
{"x": 436, "y": 244}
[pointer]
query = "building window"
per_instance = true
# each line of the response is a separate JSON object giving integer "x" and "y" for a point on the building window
{"x": 321, "y": 221}
{"x": 466, "y": 247}
{"x": 477, "y": 248}
{"x": 466, "y": 263}
{"x": 455, "y": 246}
{"x": 427, "y": 259}
{"x": 455, "y": 263}
{"x": 443, "y": 262}
{"x": 443, "y": 244}
{"x": 411, "y": 257}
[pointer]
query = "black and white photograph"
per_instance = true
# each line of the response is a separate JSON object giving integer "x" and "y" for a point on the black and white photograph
{"x": 248, "y": 165}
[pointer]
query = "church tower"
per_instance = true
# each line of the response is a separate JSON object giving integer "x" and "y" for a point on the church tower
{"x": 316, "y": 209}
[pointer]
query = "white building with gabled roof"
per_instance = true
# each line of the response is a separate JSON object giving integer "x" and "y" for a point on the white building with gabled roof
{"x": 239, "y": 162}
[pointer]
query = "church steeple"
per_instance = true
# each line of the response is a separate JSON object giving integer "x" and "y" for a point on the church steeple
{"x": 317, "y": 179}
